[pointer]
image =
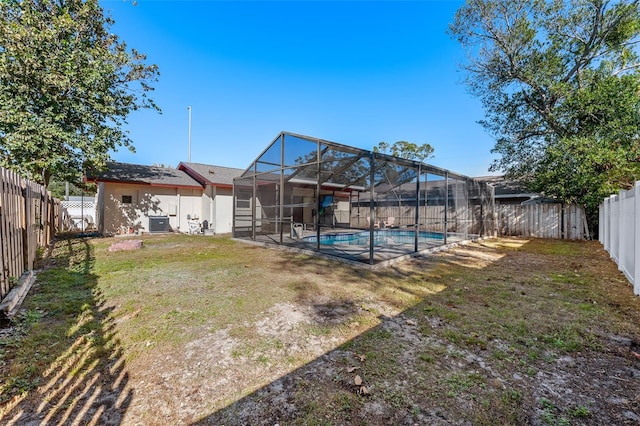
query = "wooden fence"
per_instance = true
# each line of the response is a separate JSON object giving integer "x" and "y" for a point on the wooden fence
{"x": 464, "y": 220}
{"x": 29, "y": 219}
{"x": 564, "y": 221}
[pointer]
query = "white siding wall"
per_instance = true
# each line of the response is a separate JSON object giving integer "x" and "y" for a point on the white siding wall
{"x": 223, "y": 208}
{"x": 222, "y": 211}
{"x": 147, "y": 201}
{"x": 190, "y": 203}
{"x": 207, "y": 205}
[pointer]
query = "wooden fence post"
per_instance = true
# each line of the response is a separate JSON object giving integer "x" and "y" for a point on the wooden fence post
{"x": 26, "y": 218}
{"x": 4, "y": 267}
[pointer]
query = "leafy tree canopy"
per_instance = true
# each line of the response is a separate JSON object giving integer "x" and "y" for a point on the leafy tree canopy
{"x": 67, "y": 86}
{"x": 59, "y": 189}
{"x": 404, "y": 149}
{"x": 560, "y": 86}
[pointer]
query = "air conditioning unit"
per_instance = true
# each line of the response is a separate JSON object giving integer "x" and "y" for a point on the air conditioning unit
{"x": 159, "y": 224}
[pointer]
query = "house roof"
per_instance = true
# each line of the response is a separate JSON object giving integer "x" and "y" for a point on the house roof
{"x": 208, "y": 174}
{"x": 145, "y": 175}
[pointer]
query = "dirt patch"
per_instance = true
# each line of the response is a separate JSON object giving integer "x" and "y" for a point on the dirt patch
{"x": 503, "y": 332}
{"x": 126, "y": 245}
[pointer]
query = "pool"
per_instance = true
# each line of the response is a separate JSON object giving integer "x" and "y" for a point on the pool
{"x": 380, "y": 237}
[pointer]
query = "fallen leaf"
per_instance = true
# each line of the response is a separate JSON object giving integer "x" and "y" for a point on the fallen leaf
{"x": 411, "y": 322}
{"x": 357, "y": 380}
{"x": 361, "y": 357}
{"x": 364, "y": 390}
{"x": 352, "y": 369}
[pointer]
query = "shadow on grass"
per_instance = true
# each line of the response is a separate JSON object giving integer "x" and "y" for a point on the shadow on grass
{"x": 419, "y": 272}
{"x": 62, "y": 364}
{"x": 479, "y": 352}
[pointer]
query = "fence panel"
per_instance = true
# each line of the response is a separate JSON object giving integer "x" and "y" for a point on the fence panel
{"x": 614, "y": 241}
{"x": 4, "y": 243}
{"x": 542, "y": 220}
{"x": 620, "y": 232}
{"x": 29, "y": 218}
{"x": 627, "y": 233}
{"x": 12, "y": 225}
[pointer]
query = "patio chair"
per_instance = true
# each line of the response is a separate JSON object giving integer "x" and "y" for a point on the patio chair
{"x": 390, "y": 222}
{"x": 375, "y": 223}
{"x": 89, "y": 222}
{"x": 77, "y": 223}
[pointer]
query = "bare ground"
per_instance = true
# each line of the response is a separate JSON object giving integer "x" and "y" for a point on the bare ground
{"x": 499, "y": 332}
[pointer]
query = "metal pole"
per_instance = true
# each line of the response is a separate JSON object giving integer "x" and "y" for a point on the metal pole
{"x": 82, "y": 208}
{"x": 281, "y": 194}
{"x": 318, "y": 193}
{"x": 416, "y": 218}
{"x": 446, "y": 204}
{"x": 254, "y": 209}
{"x": 371, "y": 207}
{"x": 189, "y": 157}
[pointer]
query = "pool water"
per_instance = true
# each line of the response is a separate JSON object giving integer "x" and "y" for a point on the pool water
{"x": 380, "y": 237}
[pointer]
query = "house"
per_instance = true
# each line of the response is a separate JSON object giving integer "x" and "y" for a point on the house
{"x": 217, "y": 195}
{"x": 520, "y": 212}
{"x": 512, "y": 192}
{"x": 139, "y": 198}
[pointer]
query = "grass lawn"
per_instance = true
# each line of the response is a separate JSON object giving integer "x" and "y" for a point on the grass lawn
{"x": 205, "y": 330}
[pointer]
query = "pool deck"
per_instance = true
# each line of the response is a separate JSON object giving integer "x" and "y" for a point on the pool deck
{"x": 383, "y": 254}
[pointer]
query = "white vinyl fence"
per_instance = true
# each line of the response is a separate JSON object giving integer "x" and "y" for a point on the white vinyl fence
{"x": 81, "y": 212}
{"x": 619, "y": 232}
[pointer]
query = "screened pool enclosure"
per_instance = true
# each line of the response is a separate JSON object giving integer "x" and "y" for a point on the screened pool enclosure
{"x": 355, "y": 204}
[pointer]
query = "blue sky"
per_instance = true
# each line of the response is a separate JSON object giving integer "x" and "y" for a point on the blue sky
{"x": 354, "y": 72}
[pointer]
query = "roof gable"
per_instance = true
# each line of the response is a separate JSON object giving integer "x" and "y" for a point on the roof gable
{"x": 212, "y": 175}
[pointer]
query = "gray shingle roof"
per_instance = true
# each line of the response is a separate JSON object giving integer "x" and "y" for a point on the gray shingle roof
{"x": 210, "y": 174}
{"x": 150, "y": 175}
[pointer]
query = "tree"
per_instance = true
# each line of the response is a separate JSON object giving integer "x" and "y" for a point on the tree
{"x": 59, "y": 189}
{"x": 67, "y": 86}
{"x": 408, "y": 150}
{"x": 559, "y": 82}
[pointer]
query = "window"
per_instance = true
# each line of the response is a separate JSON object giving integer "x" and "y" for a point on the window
{"x": 127, "y": 199}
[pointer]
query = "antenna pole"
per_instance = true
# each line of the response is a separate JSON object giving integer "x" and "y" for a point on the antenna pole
{"x": 189, "y": 157}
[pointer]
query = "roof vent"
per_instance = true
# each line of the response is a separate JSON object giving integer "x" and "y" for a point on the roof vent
{"x": 212, "y": 172}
